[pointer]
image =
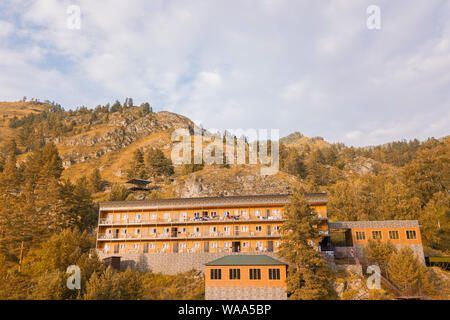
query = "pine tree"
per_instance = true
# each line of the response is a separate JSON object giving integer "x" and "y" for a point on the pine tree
{"x": 138, "y": 169}
{"x": 104, "y": 287}
{"x": 379, "y": 253}
{"x": 409, "y": 274}
{"x": 157, "y": 164}
{"x": 95, "y": 181}
{"x": 118, "y": 193}
{"x": 308, "y": 277}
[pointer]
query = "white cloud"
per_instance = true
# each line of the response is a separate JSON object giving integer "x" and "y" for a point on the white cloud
{"x": 299, "y": 66}
{"x": 294, "y": 92}
{"x": 6, "y": 29}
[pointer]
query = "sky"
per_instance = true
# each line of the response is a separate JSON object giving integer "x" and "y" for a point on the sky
{"x": 308, "y": 66}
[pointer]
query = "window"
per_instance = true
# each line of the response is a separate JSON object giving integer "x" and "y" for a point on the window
{"x": 376, "y": 235}
{"x": 213, "y": 214}
{"x": 244, "y": 228}
{"x": 166, "y": 215}
{"x": 226, "y": 245}
{"x": 245, "y": 244}
{"x": 166, "y": 230}
{"x": 138, "y": 217}
{"x": 276, "y": 228}
{"x": 151, "y": 245}
{"x": 182, "y": 230}
{"x": 226, "y": 213}
{"x": 360, "y": 235}
{"x": 258, "y": 228}
{"x": 393, "y": 235}
{"x": 197, "y": 214}
{"x": 259, "y": 244}
{"x": 165, "y": 245}
{"x": 274, "y": 274}
{"x": 257, "y": 213}
{"x": 154, "y": 216}
{"x": 153, "y": 230}
{"x": 196, "y": 245}
{"x": 196, "y": 229}
{"x": 213, "y": 229}
{"x": 122, "y": 246}
{"x": 411, "y": 234}
{"x": 106, "y": 247}
{"x": 255, "y": 274}
{"x": 235, "y": 274}
{"x": 214, "y": 245}
{"x": 182, "y": 245}
{"x": 137, "y": 231}
{"x": 277, "y": 244}
{"x": 124, "y": 231}
{"x": 136, "y": 246}
{"x": 124, "y": 217}
{"x": 244, "y": 213}
{"x": 216, "y": 274}
{"x": 226, "y": 229}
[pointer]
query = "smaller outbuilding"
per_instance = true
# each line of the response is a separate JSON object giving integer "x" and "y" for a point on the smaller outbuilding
{"x": 245, "y": 277}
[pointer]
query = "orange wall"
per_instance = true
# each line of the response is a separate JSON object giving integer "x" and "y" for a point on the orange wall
{"x": 385, "y": 235}
{"x": 245, "y": 277}
{"x": 159, "y": 219}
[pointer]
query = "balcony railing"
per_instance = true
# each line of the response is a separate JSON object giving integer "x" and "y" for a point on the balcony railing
{"x": 104, "y": 222}
{"x": 188, "y": 235}
{"x": 181, "y": 250}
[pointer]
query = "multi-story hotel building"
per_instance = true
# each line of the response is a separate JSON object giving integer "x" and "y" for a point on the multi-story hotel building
{"x": 214, "y": 226}
{"x": 219, "y": 224}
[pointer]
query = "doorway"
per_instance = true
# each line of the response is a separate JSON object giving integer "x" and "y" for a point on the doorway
{"x": 236, "y": 246}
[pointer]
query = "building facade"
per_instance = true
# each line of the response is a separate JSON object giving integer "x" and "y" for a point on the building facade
{"x": 350, "y": 237}
{"x": 221, "y": 224}
{"x": 245, "y": 277}
{"x": 171, "y": 230}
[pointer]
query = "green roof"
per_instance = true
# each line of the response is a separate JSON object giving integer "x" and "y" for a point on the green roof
{"x": 246, "y": 260}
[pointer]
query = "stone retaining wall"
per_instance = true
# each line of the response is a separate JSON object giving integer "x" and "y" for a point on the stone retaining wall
{"x": 245, "y": 293}
{"x": 172, "y": 263}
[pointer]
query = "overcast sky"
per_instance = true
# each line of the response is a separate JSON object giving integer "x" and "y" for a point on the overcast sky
{"x": 307, "y": 66}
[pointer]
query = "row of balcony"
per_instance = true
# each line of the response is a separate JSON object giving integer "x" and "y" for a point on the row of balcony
{"x": 180, "y": 250}
{"x": 193, "y": 235}
{"x": 186, "y": 221}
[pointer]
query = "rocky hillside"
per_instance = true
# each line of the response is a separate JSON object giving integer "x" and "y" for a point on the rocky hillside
{"x": 238, "y": 180}
{"x": 107, "y": 137}
{"x": 302, "y": 143}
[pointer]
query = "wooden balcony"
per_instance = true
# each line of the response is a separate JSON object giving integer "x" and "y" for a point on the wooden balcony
{"x": 187, "y": 236}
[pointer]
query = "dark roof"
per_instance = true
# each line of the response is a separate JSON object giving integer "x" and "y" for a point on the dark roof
{"x": 374, "y": 224}
{"x": 138, "y": 181}
{"x": 205, "y": 202}
{"x": 246, "y": 260}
